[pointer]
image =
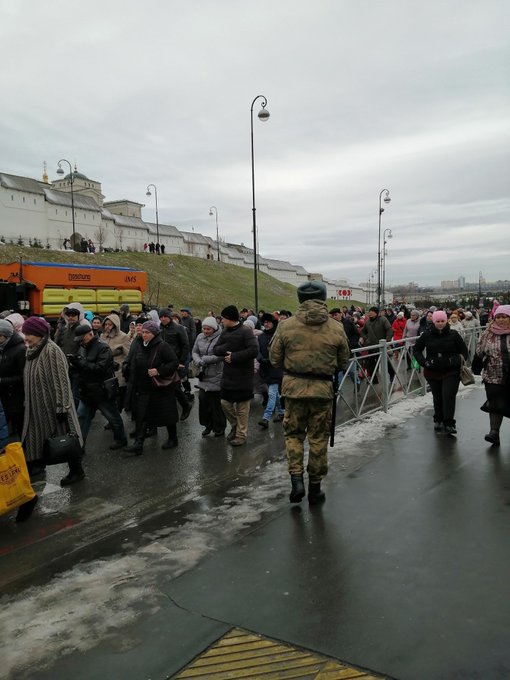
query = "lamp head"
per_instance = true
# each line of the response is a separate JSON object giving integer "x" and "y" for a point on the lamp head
{"x": 210, "y": 211}
{"x": 60, "y": 171}
{"x": 387, "y": 198}
{"x": 148, "y": 193}
{"x": 263, "y": 114}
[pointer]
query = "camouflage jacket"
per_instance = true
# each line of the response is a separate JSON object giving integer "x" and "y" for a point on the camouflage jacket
{"x": 311, "y": 342}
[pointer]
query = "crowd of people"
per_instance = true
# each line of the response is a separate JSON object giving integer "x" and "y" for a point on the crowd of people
{"x": 54, "y": 379}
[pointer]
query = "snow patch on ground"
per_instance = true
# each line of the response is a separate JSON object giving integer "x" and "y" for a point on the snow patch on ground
{"x": 78, "y": 609}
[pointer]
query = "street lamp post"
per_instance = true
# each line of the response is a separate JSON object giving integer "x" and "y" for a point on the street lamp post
{"x": 386, "y": 233}
{"x": 60, "y": 171}
{"x": 370, "y": 285}
{"x": 387, "y": 199}
{"x": 263, "y": 115}
{"x": 157, "y": 215}
{"x": 213, "y": 207}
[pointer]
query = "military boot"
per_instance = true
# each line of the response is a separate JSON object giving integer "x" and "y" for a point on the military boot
{"x": 315, "y": 495}
{"x": 298, "y": 489}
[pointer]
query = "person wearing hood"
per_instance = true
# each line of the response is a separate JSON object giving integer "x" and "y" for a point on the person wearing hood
{"x": 238, "y": 347}
{"x": 311, "y": 348}
{"x": 12, "y": 364}
{"x": 439, "y": 351}
{"x": 271, "y": 375}
{"x": 210, "y": 412}
{"x": 125, "y": 318}
{"x": 494, "y": 351}
{"x": 119, "y": 342}
{"x": 17, "y": 321}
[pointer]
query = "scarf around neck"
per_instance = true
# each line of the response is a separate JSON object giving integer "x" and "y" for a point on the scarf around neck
{"x": 497, "y": 330}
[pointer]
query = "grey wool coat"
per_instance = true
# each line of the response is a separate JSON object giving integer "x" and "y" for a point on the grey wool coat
{"x": 47, "y": 392}
{"x": 210, "y": 365}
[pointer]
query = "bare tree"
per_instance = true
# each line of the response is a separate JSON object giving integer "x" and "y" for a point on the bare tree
{"x": 119, "y": 237}
{"x": 101, "y": 236}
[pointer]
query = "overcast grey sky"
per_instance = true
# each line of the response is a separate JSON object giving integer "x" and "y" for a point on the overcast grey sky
{"x": 363, "y": 95}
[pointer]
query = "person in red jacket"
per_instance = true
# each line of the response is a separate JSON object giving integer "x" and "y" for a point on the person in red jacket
{"x": 398, "y": 326}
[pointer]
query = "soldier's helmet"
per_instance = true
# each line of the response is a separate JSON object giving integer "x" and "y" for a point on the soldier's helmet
{"x": 312, "y": 290}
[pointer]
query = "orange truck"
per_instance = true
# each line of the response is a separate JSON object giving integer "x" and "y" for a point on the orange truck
{"x": 45, "y": 288}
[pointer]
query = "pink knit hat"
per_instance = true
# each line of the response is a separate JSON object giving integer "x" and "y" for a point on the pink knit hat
{"x": 502, "y": 309}
{"x": 439, "y": 315}
{"x": 35, "y": 325}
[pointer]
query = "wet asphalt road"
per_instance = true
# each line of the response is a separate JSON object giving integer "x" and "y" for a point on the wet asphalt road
{"x": 90, "y": 518}
{"x": 403, "y": 571}
{"x": 120, "y": 498}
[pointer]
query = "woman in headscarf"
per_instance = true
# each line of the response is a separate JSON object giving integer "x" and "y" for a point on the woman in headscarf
{"x": 12, "y": 363}
{"x": 439, "y": 350}
{"x": 49, "y": 405}
{"x": 154, "y": 406}
{"x": 494, "y": 350}
{"x": 210, "y": 413}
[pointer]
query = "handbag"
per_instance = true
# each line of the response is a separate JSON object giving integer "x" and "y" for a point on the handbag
{"x": 194, "y": 370}
{"x": 111, "y": 387}
{"x": 15, "y": 487}
{"x": 160, "y": 382}
{"x": 61, "y": 448}
{"x": 466, "y": 374}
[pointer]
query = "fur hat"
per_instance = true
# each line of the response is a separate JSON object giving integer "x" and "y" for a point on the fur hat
{"x": 312, "y": 290}
{"x": 152, "y": 327}
{"x": 36, "y": 325}
{"x": 268, "y": 317}
{"x": 231, "y": 313}
{"x": 210, "y": 322}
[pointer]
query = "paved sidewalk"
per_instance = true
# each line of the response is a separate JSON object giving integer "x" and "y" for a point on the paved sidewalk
{"x": 403, "y": 571}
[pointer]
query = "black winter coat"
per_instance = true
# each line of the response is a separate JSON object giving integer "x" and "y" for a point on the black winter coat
{"x": 158, "y": 404}
{"x": 238, "y": 375}
{"x": 177, "y": 337}
{"x": 269, "y": 373}
{"x": 12, "y": 363}
{"x": 351, "y": 332}
{"x": 443, "y": 351}
{"x": 94, "y": 364}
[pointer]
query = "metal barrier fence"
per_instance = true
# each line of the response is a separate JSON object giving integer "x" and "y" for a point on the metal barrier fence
{"x": 380, "y": 375}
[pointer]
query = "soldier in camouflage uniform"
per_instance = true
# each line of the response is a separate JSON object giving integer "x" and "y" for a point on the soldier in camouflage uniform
{"x": 311, "y": 347}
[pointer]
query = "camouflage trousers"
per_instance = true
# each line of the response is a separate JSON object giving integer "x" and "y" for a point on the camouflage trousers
{"x": 307, "y": 418}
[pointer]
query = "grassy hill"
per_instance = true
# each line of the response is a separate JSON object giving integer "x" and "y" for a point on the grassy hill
{"x": 183, "y": 281}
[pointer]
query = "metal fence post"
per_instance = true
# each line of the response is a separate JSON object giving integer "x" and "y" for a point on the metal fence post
{"x": 385, "y": 378}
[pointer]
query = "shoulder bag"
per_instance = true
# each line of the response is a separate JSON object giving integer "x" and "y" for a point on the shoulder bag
{"x": 159, "y": 382}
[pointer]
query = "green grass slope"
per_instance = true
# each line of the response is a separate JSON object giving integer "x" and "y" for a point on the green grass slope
{"x": 183, "y": 281}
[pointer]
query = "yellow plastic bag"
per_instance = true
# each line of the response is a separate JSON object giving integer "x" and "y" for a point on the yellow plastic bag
{"x": 15, "y": 487}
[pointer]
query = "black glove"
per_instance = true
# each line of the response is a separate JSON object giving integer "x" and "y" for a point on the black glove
{"x": 428, "y": 364}
{"x": 62, "y": 417}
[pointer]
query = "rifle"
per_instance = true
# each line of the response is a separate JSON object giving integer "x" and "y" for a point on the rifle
{"x": 333, "y": 409}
